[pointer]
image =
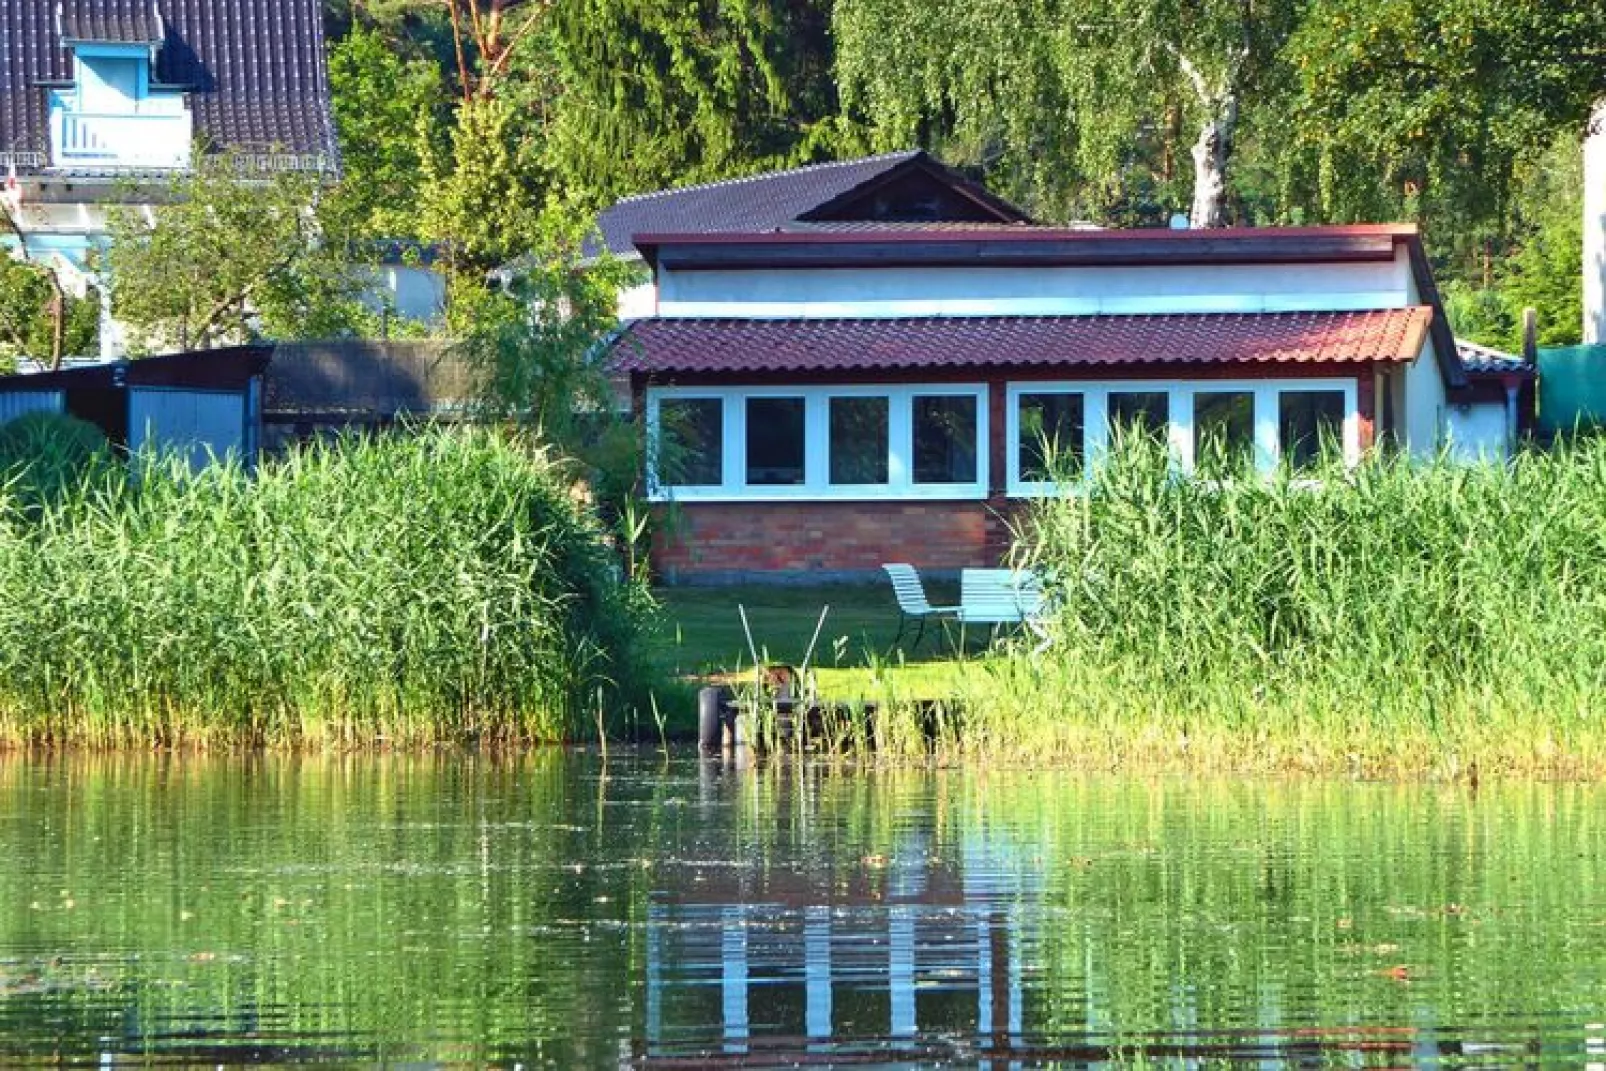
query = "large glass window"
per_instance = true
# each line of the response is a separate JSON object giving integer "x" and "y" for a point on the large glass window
{"x": 1050, "y": 430}
{"x": 775, "y": 442}
{"x": 859, "y": 433}
{"x": 944, "y": 438}
{"x": 691, "y": 442}
{"x": 1133, "y": 413}
{"x": 1223, "y": 432}
{"x": 848, "y": 442}
{"x": 1309, "y": 421}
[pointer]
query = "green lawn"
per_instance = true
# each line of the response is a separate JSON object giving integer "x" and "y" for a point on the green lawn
{"x": 703, "y": 636}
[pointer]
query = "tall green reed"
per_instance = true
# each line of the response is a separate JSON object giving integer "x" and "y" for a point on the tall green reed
{"x": 443, "y": 586}
{"x": 1393, "y": 616}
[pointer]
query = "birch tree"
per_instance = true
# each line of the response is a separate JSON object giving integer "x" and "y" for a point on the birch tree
{"x": 1105, "y": 82}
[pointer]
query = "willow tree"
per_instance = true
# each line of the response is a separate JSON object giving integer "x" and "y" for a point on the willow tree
{"x": 1080, "y": 86}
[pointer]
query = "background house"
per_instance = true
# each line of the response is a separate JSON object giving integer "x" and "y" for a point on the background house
{"x": 102, "y": 102}
{"x": 827, "y": 401}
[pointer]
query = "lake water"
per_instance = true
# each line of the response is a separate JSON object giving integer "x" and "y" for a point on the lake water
{"x": 553, "y": 910}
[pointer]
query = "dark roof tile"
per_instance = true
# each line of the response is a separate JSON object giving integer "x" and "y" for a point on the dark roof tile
{"x": 1488, "y": 361}
{"x": 254, "y": 69}
{"x": 668, "y": 346}
{"x": 767, "y": 202}
{"x": 134, "y": 22}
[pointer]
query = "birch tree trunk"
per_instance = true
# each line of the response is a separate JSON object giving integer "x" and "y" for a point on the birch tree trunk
{"x": 1213, "y": 148}
{"x": 1595, "y": 227}
{"x": 1210, "y": 154}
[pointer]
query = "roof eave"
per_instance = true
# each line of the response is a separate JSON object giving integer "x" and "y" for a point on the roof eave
{"x": 1027, "y": 247}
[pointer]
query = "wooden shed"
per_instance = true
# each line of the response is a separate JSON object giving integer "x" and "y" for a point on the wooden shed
{"x": 205, "y": 404}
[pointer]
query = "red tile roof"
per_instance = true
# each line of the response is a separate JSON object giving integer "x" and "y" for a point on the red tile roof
{"x": 671, "y": 345}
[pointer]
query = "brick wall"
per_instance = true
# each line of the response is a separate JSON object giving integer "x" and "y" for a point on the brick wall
{"x": 779, "y": 541}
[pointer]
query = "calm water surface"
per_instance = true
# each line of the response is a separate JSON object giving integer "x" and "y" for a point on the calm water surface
{"x": 556, "y": 911}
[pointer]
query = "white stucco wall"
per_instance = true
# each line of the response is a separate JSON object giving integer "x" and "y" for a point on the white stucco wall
{"x": 1595, "y": 227}
{"x": 1476, "y": 432}
{"x": 636, "y": 302}
{"x": 414, "y": 293}
{"x": 1047, "y": 291}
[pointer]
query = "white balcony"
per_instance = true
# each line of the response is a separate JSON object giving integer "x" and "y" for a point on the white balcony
{"x": 154, "y": 140}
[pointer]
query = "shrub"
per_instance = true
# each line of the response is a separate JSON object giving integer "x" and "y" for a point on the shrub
{"x": 438, "y": 587}
{"x": 42, "y": 454}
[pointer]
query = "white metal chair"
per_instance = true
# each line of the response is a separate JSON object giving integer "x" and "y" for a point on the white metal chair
{"x": 912, "y": 602}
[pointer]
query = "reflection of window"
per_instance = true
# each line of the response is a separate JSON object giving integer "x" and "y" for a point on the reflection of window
{"x": 1223, "y": 432}
{"x": 859, "y": 431}
{"x": 774, "y": 441}
{"x": 1309, "y": 421}
{"x": 691, "y": 442}
{"x": 945, "y": 439}
{"x": 1050, "y": 440}
{"x": 1139, "y": 413}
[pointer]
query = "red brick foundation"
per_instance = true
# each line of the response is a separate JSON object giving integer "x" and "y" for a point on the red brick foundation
{"x": 778, "y": 541}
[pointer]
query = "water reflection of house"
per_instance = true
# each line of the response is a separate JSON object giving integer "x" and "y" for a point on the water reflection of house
{"x": 917, "y": 947}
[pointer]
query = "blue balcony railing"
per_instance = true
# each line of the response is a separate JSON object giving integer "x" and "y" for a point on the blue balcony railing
{"x": 138, "y": 141}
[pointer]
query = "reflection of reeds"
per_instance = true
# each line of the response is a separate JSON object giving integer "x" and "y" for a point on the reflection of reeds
{"x": 407, "y": 589}
{"x": 1390, "y": 617}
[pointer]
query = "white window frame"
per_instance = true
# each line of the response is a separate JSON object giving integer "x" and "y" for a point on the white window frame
{"x": 1179, "y": 394}
{"x": 816, "y": 485}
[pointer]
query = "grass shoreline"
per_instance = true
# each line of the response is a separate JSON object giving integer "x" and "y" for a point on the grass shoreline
{"x": 1441, "y": 622}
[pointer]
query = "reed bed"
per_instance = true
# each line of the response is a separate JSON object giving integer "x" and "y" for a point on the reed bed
{"x": 443, "y": 586}
{"x": 1395, "y": 618}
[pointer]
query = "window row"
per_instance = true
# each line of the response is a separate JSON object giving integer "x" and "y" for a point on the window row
{"x": 931, "y": 441}
{"x": 1215, "y": 429}
{"x": 839, "y": 442}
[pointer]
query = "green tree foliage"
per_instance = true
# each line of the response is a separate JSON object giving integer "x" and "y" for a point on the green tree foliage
{"x": 536, "y": 341}
{"x": 537, "y": 348}
{"x": 1430, "y": 108}
{"x": 481, "y": 198}
{"x": 657, "y": 94}
{"x": 27, "y": 316}
{"x": 1542, "y": 270}
{"x": 227, "y": 260}
{"x": 387, "y": 111}
{"x": 1080, "y": 104}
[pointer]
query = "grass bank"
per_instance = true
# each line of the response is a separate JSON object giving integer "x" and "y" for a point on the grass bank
{"x": 1388, "y": 619}
{"x": 1391, "y": 620}
{"x": 407, "y": 590}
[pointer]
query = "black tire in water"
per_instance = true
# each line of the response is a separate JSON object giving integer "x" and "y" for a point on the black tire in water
{"x": 711, "y": 717}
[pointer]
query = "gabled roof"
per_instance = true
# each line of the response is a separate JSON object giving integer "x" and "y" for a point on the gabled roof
{"x": 254, "y": 69}
{"x": 777, "y": 199}
{"x": 671, "y": 346}
{"x": 123, "y": 22}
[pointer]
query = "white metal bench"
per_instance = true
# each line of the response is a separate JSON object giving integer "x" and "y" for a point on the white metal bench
{"x": 1000, "y": 597}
